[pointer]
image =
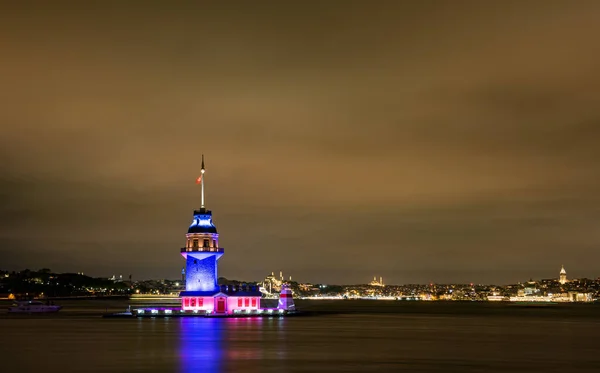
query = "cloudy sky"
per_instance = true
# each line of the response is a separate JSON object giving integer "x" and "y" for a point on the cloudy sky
{"x": 444, "y": 141}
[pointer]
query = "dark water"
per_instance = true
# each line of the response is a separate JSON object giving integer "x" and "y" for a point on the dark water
{"x": 370, "y": 337}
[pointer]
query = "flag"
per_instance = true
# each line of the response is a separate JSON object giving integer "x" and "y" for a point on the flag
{"x": 199, "y": 179}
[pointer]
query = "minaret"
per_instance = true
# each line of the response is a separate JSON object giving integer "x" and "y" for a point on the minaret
{"x": 202, "y": 249}
{"x": 563, "y": 276}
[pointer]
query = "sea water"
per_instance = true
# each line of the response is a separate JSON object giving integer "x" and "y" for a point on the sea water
{"x": 343, "y": 336}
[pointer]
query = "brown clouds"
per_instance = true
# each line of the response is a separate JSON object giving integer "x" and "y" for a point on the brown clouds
{"x": 455, "y": 135}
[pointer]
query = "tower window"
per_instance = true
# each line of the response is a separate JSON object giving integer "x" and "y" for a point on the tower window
{"x": 206, "y": 242}
{"x": 195, "y": 244}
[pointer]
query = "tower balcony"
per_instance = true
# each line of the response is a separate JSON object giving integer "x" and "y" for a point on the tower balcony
{"x": 202, "y": 250}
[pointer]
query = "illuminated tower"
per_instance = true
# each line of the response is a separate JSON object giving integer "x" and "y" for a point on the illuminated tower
{"x": 563, "y": 276}
{"x": 201, "y": 253}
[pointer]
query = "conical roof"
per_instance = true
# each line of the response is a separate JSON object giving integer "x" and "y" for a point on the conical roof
{"x": 562, "y": 270}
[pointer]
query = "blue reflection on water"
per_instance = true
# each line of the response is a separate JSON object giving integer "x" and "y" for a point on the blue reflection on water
{"x": 221, "y": 344}
{"x": 200, "y": 345}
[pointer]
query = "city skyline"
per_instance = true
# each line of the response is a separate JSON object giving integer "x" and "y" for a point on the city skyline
{"x": 421, "y": 143}
{"x": 377, "y": 281}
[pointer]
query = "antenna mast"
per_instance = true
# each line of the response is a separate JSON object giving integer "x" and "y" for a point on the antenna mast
{"x": 202, "y": 170}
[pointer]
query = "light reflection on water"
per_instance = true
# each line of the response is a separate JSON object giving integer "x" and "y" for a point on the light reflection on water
{"x": 214, "y": 345}
{"x": 466, "y": 339}
{"x": 200, "y": 344}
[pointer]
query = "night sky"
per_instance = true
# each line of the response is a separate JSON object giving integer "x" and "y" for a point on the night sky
{"x": 429, "y": 141}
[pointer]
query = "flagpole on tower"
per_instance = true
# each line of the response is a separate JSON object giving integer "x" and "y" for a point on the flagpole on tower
{"x": 202, "y": 170}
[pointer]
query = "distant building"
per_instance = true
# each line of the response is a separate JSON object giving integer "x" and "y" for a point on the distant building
{"x": 563, "y": 276}
{"x": 375, "y": 282}
{"x": 580, "y": 297}
{"x": 113, "y": 278}
{"x": 271, "y": 283}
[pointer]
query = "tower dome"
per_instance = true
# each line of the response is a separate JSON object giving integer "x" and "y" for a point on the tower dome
{"x": 202, "y": 222}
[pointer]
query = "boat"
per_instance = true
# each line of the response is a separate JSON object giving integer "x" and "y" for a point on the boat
{"x": 33, "y": 306}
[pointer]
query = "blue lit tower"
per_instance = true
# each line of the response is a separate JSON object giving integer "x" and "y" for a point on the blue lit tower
{"x": 201, "y": 251}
